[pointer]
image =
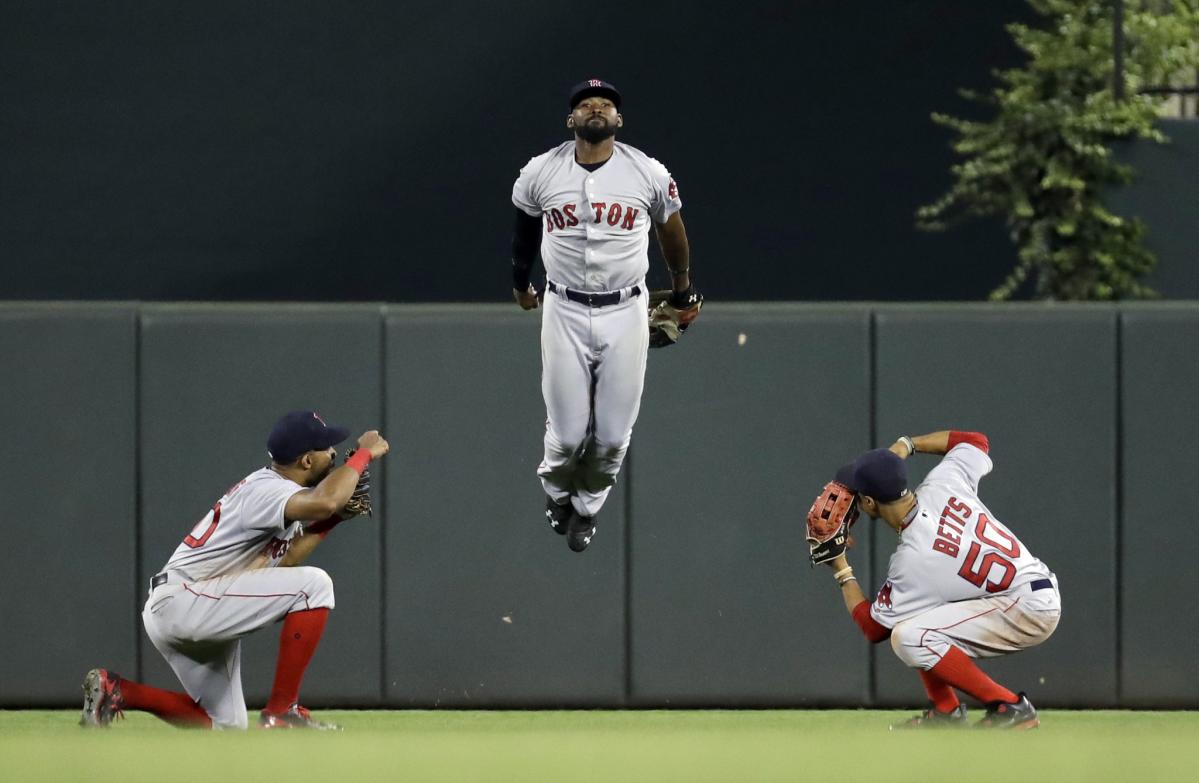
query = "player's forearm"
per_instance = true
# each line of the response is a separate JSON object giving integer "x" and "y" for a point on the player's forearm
{"x": 672, "y": 238}
{"x": 301, "y": 547}
{"x": 851, "y": 591}
{"x": 932, "y": 443}
{"x": 526, "y": 241}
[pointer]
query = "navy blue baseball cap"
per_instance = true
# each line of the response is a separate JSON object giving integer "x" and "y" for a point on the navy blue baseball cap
{"x": 300, "y": 432}
{"x": 879, "y": 473}
{"x": 593, "y": 87}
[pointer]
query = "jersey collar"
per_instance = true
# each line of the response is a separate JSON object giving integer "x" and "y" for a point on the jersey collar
{"x": 911, "y": 517}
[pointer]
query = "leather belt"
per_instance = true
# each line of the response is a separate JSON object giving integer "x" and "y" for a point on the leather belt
{"x": 1040, "y": 584}
{"x": 160, "y": 579}
{"x": 602, "y": 299}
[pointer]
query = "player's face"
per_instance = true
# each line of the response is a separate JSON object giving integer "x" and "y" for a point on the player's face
{"x": 594, "y": 119}
{"x": 322, "y": 465}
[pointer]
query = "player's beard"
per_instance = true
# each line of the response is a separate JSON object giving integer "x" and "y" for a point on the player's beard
{"x": 595, "y": 132}
{"x": 318, "y": 479}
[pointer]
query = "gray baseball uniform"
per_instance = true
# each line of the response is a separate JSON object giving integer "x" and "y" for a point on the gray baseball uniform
{"x": 595, "y": 240}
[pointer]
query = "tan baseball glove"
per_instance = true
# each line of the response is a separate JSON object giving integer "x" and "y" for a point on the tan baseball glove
{"x": 670, "y": 313}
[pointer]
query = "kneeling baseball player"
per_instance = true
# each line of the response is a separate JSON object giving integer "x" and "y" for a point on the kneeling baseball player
{"x": 960, "y": 585}
{"x": 223, "y": 582}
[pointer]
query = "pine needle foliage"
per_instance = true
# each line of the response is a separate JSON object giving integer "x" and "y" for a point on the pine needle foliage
{"x": 1045, "y": 158}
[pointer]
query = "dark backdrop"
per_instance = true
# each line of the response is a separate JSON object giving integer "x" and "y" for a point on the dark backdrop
{"x": 366, "y": 151}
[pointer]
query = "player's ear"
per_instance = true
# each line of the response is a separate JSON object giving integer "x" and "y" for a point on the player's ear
{"x": 619, "y": 120}
{"x": 570, "y": 121}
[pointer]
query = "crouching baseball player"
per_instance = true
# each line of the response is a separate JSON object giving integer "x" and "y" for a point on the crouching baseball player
{"x": 224, "y": 582}
{"x": 960, "y": 585}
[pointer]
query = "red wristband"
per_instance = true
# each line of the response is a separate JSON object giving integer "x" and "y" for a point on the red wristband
{"x": 359, "y": 461}
{"x": 323, "y": 527}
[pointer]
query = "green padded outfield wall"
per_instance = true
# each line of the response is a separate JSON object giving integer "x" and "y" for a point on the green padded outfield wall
{"x": 213, "y": 381}
{"x": 68, "y": 585}
{"x": 486, "y": 605}
{"x": 696, "y": 590}
{"x": 1041, "y": 383}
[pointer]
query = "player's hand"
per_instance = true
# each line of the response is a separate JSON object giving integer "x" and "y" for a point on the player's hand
{"x": 528, "y": 299}
{"x": 373, "y": 442}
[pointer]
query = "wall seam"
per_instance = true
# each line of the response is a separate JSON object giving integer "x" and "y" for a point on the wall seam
{"x": 1119, "y": 498}
{"x": 628, "y": 578}
{"x": 138, "y": 464}
{"x": 382, "y": 497}
{"x": 872, "y": 434}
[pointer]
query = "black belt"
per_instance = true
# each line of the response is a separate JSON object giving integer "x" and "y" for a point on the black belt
{"x": 1040, "y": 584}
{"x": 591, "y": 300}
{"x": 159, "y": 580}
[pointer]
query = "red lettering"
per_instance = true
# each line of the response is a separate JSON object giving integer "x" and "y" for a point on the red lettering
{"x": 960, "y": 507}
{"x": 558, "y": 221}
{"x": 948, "y": 518}
{"x": 672, "y": 190}
{"x": 944, "y": 547}
{"x": 569, "y": 210}
{"x": 196, "y": 543}
{"x": 977, "y": 578}
{"x": 549, "y": 224}
{"x": 630, "y": 217}
{"x": 600, "y": 206}
{"x": 884, "y": 596}
{"x": 614, "y": 214}
{"x": 943, "y": 533}
{"x": 1009, "y": 546}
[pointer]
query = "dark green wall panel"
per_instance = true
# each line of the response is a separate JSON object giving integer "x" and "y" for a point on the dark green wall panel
{"x": 486, "y": 605}
{"x": 742, "y": 423}
{"x": 1040, "y": 382}
{"x": 214, "y": 380}
{"x": 67, "y": 585}
{"x": 1160, "y": 629}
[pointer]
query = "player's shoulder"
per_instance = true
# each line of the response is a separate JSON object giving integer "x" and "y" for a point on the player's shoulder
{"x": 538, "y": 162}
{"x": 643, "y": 160}
{"x": 265, "y": 478}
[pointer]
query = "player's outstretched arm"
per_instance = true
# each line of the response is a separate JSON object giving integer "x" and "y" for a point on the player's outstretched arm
{"x": 932, "y": 443}
{"x": 672, "y": 238}
{"x": 329, "y": 496}
{"x": 855, "y": 600}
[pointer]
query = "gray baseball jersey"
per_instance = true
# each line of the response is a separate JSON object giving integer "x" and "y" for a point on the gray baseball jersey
{"x": 595, "y": 239}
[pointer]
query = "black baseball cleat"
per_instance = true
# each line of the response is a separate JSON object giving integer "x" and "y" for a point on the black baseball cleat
{"x": 296, "y": 717}
{"x": 558, "y": 515}
{"x": 102, "y": 699}
{"x": 580, "y": 532}
{"x": 932, "y": 719}
{"x": 1019, "y": 714}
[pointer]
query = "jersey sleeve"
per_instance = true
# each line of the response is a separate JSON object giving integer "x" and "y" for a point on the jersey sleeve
{"x": 269, "y": 501}
{"x": 902, "y": 596}
{"x": 966, "y": 463}
{"x": 525, "y": 194}
{"x": 665, "y": 199}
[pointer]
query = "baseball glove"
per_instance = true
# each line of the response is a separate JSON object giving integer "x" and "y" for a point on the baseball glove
{"x": 829, "y": 519}
{"x": 670, "y": 313}
{"x": 359, "y": 502}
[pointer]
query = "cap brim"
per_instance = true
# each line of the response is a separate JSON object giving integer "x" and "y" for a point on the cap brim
{"x": 845, "y": 476}
{"x": 333, "y": 436}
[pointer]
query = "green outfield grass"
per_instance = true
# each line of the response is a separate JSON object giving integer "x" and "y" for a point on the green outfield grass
{"x": 833, "y": 746}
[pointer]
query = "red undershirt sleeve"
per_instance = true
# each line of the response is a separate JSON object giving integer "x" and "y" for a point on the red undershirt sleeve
{"x": 871, "y": 628}
{"x": 975, "y": 439}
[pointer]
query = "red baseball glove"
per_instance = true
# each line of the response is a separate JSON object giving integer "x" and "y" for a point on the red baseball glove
{"x": 829, "y": 519}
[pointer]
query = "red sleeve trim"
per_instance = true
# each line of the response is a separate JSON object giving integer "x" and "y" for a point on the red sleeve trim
{"x": 323, "y": 527}
{"x": 871, "y": 628}
{"x": 975, "y": 439}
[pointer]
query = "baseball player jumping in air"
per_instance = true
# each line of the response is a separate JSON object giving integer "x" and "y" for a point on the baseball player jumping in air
{"x": 960, "y": 585}
{"x": 587, "y": 204}
{"x": 224, "y": 582}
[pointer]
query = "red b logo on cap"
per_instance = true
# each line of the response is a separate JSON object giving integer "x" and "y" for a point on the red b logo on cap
{"x": 594, "y": 82}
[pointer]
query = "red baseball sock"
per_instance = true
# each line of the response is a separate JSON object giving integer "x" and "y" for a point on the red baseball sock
{"x": 297, "y": 642}
{"x": 942, "y": 696}
{"x": 171, "y": 706}
{"x": 958, "y": 670}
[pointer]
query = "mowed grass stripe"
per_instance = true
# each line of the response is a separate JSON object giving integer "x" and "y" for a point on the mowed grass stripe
{"x": 708, "y": 745}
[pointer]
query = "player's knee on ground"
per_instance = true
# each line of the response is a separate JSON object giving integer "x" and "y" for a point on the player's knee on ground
{"x": 314, "y": 588}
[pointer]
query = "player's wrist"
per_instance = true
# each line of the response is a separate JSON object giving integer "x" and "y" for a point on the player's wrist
{"x": 359, "y": 460}
{"x": 844, "y": 576}
{"x": 908, "y": 443}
